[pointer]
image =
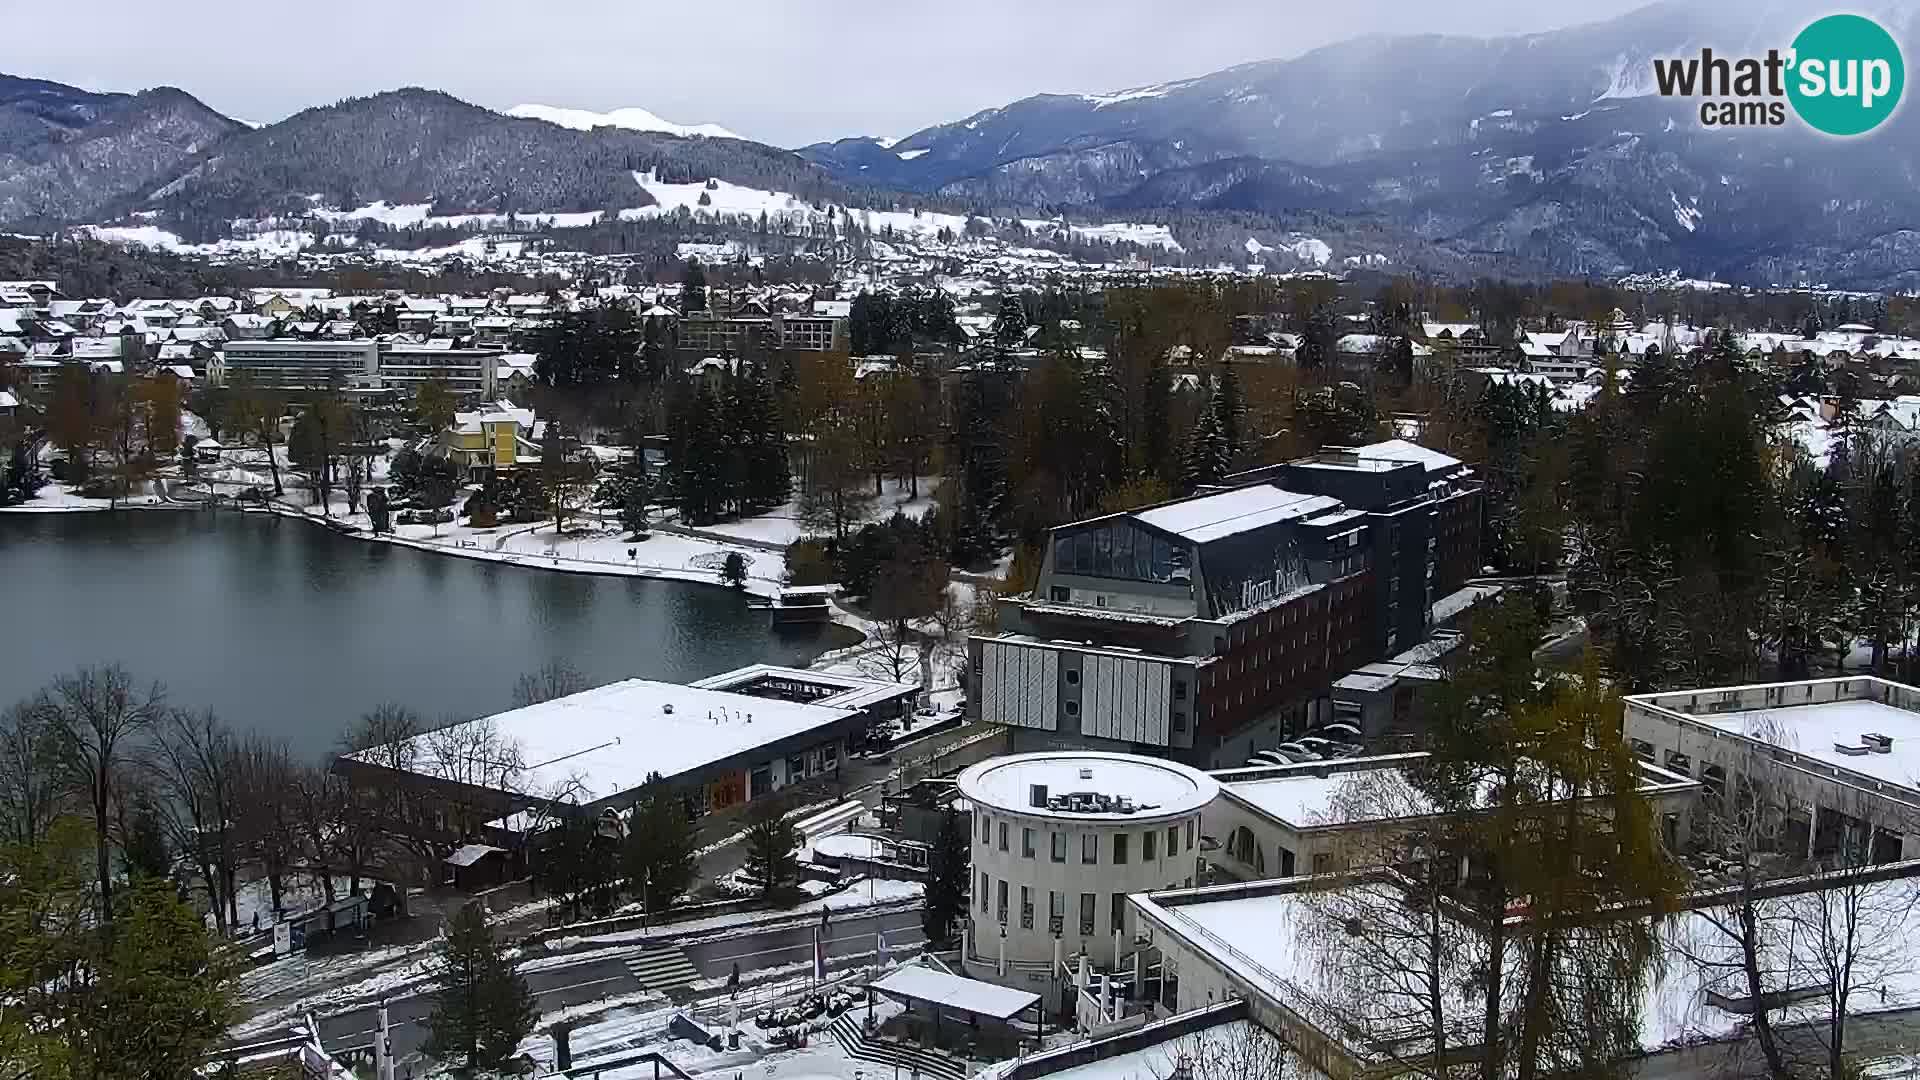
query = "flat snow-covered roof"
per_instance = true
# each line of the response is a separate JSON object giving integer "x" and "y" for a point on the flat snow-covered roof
{"x": 1812, "y": 730}
{"x": 1402, "y": 450}
{"x": 609, "y": 738}
{"x": 1280, "y": 937}
{"x": 852, "y": 691}
{"x": 923, "y": 983}
{"x": 1158, "y": 788}
{"x": 1227, "y": 513}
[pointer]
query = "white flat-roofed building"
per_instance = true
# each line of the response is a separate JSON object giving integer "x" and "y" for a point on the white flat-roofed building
{"x": 1318, "y": 817}
{"x": 596, "y": 749}
{"x": 1059, "y": 840}
{"x": 1842, "y": 756}
{"x": 1358, "y": 1005}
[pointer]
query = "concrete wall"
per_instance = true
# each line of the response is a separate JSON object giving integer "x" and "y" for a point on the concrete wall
{"x": 1031, "y": 941}
{"x": 1653, "y": 725}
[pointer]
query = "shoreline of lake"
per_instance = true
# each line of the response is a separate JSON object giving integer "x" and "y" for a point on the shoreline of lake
{"x": 287, "y": 633}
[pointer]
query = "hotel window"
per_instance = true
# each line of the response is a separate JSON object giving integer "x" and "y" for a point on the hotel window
{"x": 1056, "y": 912}
{"x": 1026, "y": 908}
{"x": 1189, "y": 836}
{"x": 1173, "y": 841}
{"x": 1119, "y": 849}
{"x": 1000, "y": 898}
{"x": 1087, "y": 902}
{"x": 1003, "y": 836}
{"x": 1090, "y": 849}
{"x": 1059, "y": 847}
{"x": 985, "y": 892}
{"x": 986, "y": 829}
{"x": 1119, "y": 912}
{"x": 1026, "y": 843}
{"x": 1146, "y": 845}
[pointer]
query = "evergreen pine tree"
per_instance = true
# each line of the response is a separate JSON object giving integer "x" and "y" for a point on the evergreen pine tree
{"x": 699, "y": 459}
{"x": 658, "y": 859}
{"x": 144, "y": 852}
{"x": 482, "y": 1008}
{"x": 980, "y": 456}
{"x": 733, "y": 570}
{"x": 737, "y": 437}
{"x": 1228, "y": 409}
{"x": 693, "y": 288}
{"x": 1010, "y": 325}
{"x": 771, "y": 840}
{"x": 1156, "y": 420}
{"x": 947, "y": 872}
{"x": 1205, "y": 461}
{"x": 767, "y": 477}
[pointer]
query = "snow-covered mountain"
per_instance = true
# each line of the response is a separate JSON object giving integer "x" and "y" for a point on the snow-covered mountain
{"x": 63, "y": 150}
{"x": 1526, "y": 154}
{"x": 631, "y": 119}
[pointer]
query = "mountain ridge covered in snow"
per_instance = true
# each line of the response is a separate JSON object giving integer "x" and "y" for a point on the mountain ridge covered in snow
{"x": 627, "y": 119}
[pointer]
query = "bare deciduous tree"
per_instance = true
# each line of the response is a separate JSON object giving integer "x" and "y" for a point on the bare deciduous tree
{"x": 94, "y": 717}
{"x": 320, "y": 812}
{"x": 29, "y": 786}
{"x": 1239, "y": 1051}
{"x": 193, "y": 768}
{"x": 268, "y": 790}
{"x": 555, "y": 679}
{"x": 1391, "y": 948}
{"x": 1851, "y": 939}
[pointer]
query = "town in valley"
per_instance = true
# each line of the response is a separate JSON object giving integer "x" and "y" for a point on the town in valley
{"x": 1197, "y": 582}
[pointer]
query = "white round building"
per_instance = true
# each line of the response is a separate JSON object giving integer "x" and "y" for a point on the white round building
{"x": 1059, "y": 840}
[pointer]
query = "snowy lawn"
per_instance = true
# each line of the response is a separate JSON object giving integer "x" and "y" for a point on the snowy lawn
{"x": 781, "y": 525}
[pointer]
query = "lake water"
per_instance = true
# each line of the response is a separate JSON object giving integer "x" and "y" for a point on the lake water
{"x": 287, "y": 629}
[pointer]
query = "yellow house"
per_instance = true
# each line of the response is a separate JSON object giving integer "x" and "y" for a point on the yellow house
{"x": 498, "y": 435}
{"x": 275, "y": 307}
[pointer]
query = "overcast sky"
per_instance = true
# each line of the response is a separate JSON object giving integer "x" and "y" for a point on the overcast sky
{"x": 786, "y": 72}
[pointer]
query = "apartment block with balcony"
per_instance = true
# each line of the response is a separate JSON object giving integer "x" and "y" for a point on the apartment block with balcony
{"x": 467, "y": 372}
{"x": 291, "y": 364}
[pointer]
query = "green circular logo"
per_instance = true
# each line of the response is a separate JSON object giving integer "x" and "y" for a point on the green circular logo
{"x": 1847, "y": 75}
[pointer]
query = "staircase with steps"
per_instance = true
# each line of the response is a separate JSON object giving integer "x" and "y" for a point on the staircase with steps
{"x": 911, "y": 1059}
{"x": 662, "y": 967}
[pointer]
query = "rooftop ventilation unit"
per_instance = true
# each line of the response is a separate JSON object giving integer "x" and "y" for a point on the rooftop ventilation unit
{"x": 1086, "y": 774}
{"x": 1037, "y": 795}
{"x": 1878, "y": 743}
{"x": 1851, "y": 750}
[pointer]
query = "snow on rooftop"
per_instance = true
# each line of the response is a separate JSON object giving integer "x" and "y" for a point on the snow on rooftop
{"x": 1157, "y": 788}
{"x": 1813, "y": 731}
{"x": 610, "y": 738}
{"x": 1280, "y": 940}
{"x": 971, "y": 995}
{"x": 849, "y": 691}
{"x": 1402, "y": 450}
{"x": 1227, "y": 513}
{"x": 1161, "y": 1059}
